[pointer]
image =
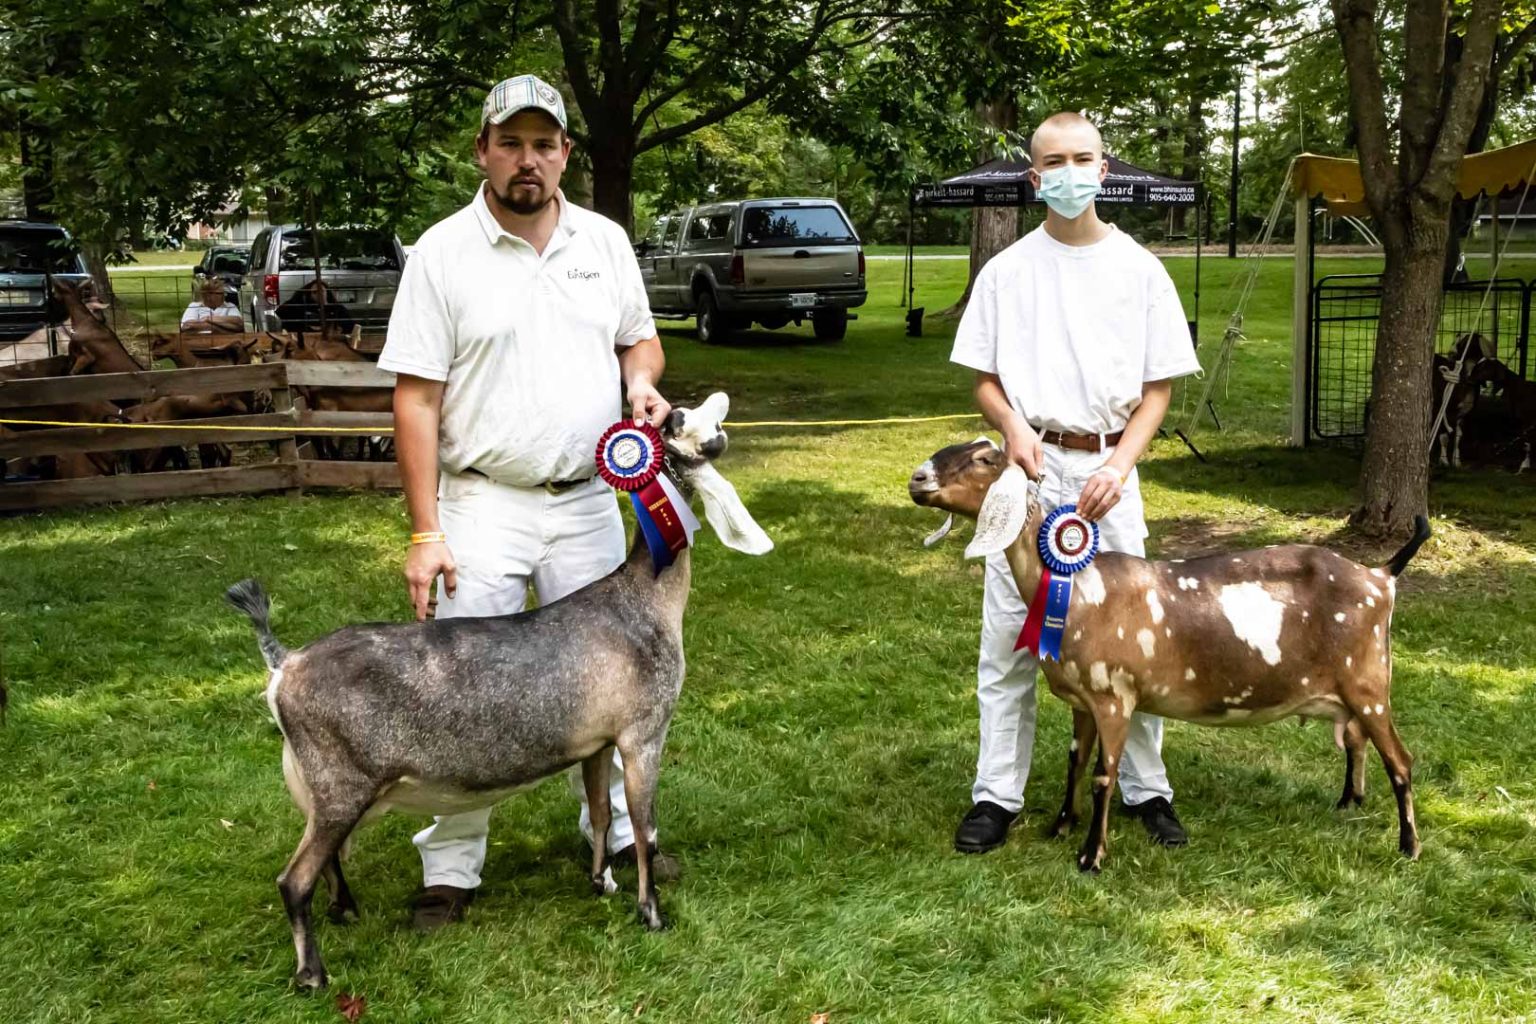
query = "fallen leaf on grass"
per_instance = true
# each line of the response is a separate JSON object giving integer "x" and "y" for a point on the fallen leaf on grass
{"x": 226, "y": 823}
{"x": 290, "y": 547}
{"x": 820, "y": 1018}
{"x": 350, "y": 1006}
{"x": 151, "y": 784}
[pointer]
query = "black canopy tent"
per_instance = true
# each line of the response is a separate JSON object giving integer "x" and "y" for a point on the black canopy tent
{"x": 1005, "y": 182}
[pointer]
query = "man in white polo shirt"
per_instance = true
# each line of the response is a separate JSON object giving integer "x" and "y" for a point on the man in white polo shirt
{"x": 518, "y": 321}
{"x": 1075, "y": 333}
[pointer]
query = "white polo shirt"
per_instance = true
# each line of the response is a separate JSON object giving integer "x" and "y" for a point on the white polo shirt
{"x": 1073, "y": 332}
{"x": 198, "y": 312}
{"x": 525, "y": 342}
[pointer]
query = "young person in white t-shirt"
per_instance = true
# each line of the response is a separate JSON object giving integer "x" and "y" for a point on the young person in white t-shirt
{"x": 1075, "y": 333}
{"x": 520, "y": 321}
{"x": 212, "y": 312}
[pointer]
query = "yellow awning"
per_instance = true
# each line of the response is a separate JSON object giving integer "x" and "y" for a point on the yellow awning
{"x": 1336, "y": 180}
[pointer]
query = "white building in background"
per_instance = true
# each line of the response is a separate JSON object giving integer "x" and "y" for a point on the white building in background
{"x": 228, "y": 227}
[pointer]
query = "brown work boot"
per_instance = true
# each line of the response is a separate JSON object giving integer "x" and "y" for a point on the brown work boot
{"x": 664, "y": 866}
{"x": 437, "y": 905}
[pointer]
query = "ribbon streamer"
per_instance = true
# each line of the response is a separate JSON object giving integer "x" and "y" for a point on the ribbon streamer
{"x": 629, "y": 458}
{"x": 1067, "y": 543}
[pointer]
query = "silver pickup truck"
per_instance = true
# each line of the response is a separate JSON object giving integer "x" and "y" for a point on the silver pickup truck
{"x": 764, "y": 261}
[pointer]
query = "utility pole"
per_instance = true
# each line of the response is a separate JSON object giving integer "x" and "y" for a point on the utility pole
{"x": 1237, "y": 107}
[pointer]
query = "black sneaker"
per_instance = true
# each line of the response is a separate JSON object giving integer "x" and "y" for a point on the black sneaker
{"x": 1162, "y": 824}
{"x": 984, "y": 827}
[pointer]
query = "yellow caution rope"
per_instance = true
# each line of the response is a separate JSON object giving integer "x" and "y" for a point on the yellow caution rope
{"x": 376, "y": 431}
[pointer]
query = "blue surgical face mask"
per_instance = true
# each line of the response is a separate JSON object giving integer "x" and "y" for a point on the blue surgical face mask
{"x": 1068, "y": 190}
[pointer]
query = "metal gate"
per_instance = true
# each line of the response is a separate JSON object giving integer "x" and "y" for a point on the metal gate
{"x": 1341, "y": 342}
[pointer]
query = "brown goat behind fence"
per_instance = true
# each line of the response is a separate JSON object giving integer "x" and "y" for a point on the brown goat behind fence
{"x": 278, "y": 431}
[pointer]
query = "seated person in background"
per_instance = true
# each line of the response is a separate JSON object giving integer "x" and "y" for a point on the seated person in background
{"x": 302, "y": 310}
{"x": 212, "y": 312}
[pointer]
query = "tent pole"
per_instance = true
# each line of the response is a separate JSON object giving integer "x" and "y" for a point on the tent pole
{"x": 1199, "y": 230}
{"x": 1301, "y": 309}
{"x": 911, "y": 208}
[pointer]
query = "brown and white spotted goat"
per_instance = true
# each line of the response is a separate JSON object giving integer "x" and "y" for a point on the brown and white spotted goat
{"x": 1231, "y": 639}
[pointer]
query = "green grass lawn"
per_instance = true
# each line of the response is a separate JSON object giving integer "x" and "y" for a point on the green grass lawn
{"x": 821, "y": 754}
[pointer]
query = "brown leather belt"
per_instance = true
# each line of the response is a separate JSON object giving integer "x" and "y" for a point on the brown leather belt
{"x": 1082, "y": 442}
{"x": 552, "y": 486}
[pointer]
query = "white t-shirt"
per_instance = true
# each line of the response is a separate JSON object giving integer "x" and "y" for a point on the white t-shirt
{"x": 525, "y": 343}
{"x": 197, "y": 311}
{"x": 1073, "y": 332}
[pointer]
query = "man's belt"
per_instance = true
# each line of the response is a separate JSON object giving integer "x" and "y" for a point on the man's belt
{"x": 1082, "y": 442}
{"x": 552, "y": 486}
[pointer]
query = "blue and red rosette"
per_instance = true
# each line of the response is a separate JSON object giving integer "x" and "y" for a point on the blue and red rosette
{"x": 1067, "y": 544}
{"x": 629, "y": 458}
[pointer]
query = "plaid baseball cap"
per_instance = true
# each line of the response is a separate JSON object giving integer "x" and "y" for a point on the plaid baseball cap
{"x": 525, "y": 92}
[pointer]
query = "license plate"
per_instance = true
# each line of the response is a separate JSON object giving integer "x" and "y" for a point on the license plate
{"x": 802, "y": 300}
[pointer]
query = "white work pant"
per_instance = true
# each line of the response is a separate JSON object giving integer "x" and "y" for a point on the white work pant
{"x": 502, "y": 538}
{"x": 1005, "y": 678}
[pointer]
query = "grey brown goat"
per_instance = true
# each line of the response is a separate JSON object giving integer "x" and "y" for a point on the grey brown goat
{"x": 1235, "y": 639}
{"x": 455, "y": 714}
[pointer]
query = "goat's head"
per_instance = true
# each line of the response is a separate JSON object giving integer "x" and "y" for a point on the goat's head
{"x": 1471, "y": 348}
{"x": 977, "y": 481}
{"x": 694, "y": 438}
{"x": 163, "y": 346}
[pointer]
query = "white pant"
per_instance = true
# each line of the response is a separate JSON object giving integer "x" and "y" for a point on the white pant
{"x": 1005, "y": 678}
{"x": 501, "y": 538}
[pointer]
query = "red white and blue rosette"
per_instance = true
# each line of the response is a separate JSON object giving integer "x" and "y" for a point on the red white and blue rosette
{"x": 629, "y": 458}
{"x": 1067, "y": 543}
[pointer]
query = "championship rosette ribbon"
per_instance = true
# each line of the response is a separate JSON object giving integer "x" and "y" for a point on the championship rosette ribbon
{"x": 1067, "y": 544}
{"x": 629, "y": 458}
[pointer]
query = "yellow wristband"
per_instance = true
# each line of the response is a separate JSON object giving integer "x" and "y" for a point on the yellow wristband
{"x": 435, "y": 537}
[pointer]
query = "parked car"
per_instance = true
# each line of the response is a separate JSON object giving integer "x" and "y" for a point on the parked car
{"x": 31, "y": 253}
{"x": 360, "y": 268}
{"x": 764, "y": 261}
{"x": 224, "y": 261}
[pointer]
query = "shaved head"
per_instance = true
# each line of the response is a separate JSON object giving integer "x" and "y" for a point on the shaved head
{"x": 1065, "y": 138}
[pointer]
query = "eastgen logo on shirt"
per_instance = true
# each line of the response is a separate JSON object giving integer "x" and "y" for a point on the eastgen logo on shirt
{"x": 582, "y": 275}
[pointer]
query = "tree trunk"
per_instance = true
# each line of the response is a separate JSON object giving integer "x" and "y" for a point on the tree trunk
{"x": 993, "y": 228}
{"x": 1189, "y": 170}
{"x": 613, "y": 171}
{"x": 95, "y": 256}
{"x": 1395, "y": 472}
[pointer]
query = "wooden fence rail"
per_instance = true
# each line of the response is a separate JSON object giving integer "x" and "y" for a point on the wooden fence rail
{"x": 277, "y": 464}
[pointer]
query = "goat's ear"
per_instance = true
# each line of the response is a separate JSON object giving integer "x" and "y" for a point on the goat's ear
{"x": 1003, "y": 514}
{"x": 731, "y": 521}
{"x": 673, "y": 423}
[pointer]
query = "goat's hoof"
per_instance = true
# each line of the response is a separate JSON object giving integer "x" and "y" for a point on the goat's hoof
{"x": 310, "y": 979}
{"x": 653, "y": 919}
{"x": 1348, "y": 799}
{"x": 1063, "y": 825}
{"x": 603, "y": 884}
{"x": 1090, "y": 864}
{"x": 338, "y": 913}
{"x": 1410, "y": 848}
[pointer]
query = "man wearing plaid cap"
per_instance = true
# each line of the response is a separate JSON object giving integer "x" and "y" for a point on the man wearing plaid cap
{"x": 519, "y": 320}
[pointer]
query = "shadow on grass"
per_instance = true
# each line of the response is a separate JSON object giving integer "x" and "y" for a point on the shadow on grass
{"x": 819, "y": 758}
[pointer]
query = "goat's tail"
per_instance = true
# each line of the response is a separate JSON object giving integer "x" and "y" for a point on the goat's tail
{"x": 1420, "y": 535}
{"x": 248, "y": 596}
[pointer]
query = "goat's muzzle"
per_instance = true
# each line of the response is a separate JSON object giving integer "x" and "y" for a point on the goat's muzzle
{"x": 923, "y": 484}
